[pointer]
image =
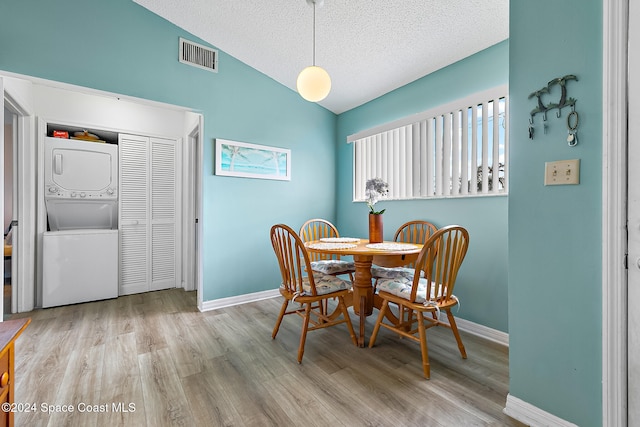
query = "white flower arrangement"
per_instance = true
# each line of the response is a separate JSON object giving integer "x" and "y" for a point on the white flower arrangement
{"x": 375, "y": 189}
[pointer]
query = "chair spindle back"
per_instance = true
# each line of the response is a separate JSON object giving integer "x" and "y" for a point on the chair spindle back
{"x": 440, "y": 259}
{"x": 415, "y": 232}
{"x": 293, "y": 258}
{"x": 316, "y": 229}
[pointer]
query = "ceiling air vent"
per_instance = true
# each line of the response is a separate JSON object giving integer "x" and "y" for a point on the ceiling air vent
{"x": 198, "y": 55}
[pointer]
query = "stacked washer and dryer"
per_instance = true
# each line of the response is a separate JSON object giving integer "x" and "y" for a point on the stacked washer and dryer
{"x": 80, "y": 250}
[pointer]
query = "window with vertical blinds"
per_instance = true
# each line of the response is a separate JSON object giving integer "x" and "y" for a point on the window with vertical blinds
{"x": 455, "y": 150}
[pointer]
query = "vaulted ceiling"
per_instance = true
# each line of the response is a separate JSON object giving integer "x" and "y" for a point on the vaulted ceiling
{"x": 369, "y": 47}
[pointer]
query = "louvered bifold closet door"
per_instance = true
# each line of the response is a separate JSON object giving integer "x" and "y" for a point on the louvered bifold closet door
{"x": 163, "y": 214}
{"x": 148, "y": 214}
{"x": 134, "y": 214}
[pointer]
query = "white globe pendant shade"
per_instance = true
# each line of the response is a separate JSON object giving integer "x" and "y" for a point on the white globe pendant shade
{"x": 313, "y": 83}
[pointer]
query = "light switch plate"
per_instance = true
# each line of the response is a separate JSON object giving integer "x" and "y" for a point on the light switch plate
{"x": 562, "y": 172}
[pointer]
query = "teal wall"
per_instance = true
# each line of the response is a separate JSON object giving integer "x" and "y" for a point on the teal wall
{"x": 482, "y": 282}
{"x": 555, "y": 243}
{"x": 120, "y": 47}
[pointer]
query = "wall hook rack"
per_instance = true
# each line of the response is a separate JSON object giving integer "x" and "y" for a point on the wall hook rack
{"x": 543, "y": 108}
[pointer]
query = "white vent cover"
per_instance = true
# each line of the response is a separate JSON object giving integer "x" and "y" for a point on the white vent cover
{"x": 198, "y": 55}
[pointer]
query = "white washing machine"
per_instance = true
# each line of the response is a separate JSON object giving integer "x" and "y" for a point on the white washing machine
{"x": 80, "y": 252}
{"x": 79, "y": 266}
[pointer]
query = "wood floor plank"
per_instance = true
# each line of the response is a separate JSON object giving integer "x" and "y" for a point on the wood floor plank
{"x": 209, "y": 403}
{"x": 80, "y": 388}
{"x": 38, "y": 381}
{"x": 348, "y": 405}
{"x": 253, "y": 401}
{"x": 298, "y": 402}
{"x": 178, "y": 366}
{"x": 121, "y": 383}
{"x": 149, "y": 336}
{"x": 164, "y": 399}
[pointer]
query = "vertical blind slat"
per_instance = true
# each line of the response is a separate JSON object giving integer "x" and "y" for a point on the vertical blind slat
{"x": 417, "y": 159}
{"x": 464, "y": 158}
{"x": 379, "y": 143}
{"x": 383, "y": 145}
{"x": 455, "y": 155}
{"x": 410, "y": 162}
{"x": 406, "y": 172}
{"x": 394, "y": 175}
{"x": 402, "y": 160}
{"x": 485, "y": 147}
{"x": 495, "y": 157}
{"x": 357, "y": 166}
{"x": 446, "y": 155}
{"x": 398, "y": 165}
{"x": 438, "y": 157}
{"x": 431, "y": 150}
{"x": 368, "y": 171}
{"x": 474, "y": 150}
{"x": 424, "y": 165}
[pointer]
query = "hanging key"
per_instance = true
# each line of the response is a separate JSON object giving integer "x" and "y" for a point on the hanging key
{"x": 572, "y": 124}
{"x": 572, "y": 139}
{"x": 531, "y": 128}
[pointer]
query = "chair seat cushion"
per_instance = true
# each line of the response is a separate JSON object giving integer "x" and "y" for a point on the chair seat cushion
{"x": 332, "y": 266}
{"x": 402, "y": 288}
{"x": 325, "y": 284}
{"x": 378, "y": 272}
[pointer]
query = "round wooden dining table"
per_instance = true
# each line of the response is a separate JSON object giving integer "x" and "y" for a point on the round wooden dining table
{"x": 386, "y": 254}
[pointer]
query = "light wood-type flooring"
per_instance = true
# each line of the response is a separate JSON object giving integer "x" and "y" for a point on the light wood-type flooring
{"x": 154, "y": 360}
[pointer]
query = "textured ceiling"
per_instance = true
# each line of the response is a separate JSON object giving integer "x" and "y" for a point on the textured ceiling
{"x": 369, "y": 47}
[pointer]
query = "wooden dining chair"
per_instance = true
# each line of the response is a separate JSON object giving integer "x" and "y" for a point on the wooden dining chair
{"x": 316, "y": 229}
{"x": 440, "y": 259}
{"x": 307, "y": 288}
{"x": 416, "y": 231}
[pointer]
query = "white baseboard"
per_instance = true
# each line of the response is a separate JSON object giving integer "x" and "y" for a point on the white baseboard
{"x": 531, "y": 415}
{"x": 240, "y": 299}
{"x": 480, "y": 330}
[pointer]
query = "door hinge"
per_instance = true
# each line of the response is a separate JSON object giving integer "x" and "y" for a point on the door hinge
{"x": 626, "y": 261}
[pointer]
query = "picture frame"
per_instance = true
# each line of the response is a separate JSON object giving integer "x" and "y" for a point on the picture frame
{"x": 245, "y": 160}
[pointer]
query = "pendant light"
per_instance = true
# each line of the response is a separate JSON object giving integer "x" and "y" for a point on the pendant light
{"x": 314, "y": 82}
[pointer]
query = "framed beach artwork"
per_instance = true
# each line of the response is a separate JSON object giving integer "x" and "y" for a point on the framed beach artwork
{"x": 246, "y": 160}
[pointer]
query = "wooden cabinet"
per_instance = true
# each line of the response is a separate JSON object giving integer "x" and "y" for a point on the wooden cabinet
{"x": 10, "y": 330}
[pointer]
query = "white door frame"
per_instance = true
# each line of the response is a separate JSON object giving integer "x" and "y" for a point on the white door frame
{"x": 192, "y": 259}
{"x": 23, "y": 259}
{"x": 191, "y": 206}
{"x": 614, "y": 213}
{"x": 15, "y": 197}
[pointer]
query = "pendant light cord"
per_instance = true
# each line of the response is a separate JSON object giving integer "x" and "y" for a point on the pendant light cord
{"x": 314, "y": 33}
